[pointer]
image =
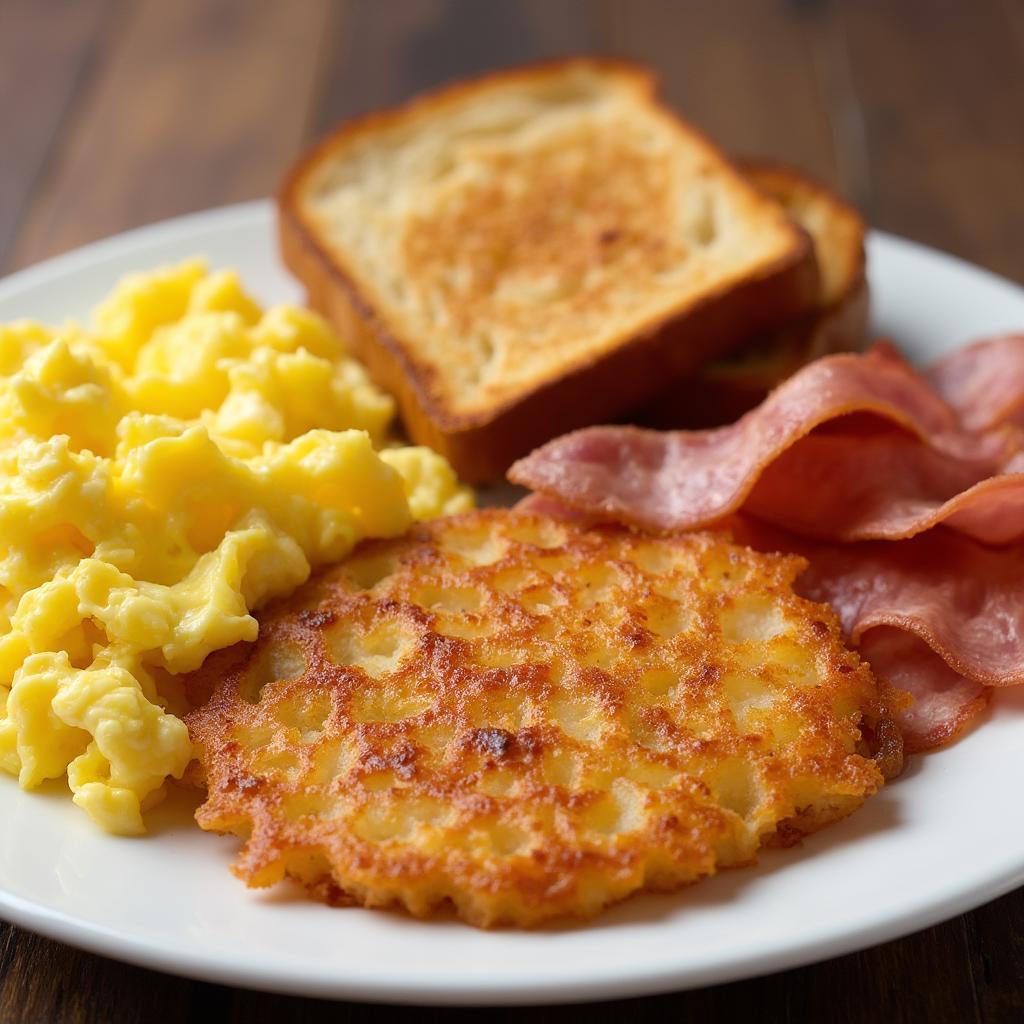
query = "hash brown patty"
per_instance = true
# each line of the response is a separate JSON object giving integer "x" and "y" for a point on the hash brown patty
{"x": 529, "y": 719}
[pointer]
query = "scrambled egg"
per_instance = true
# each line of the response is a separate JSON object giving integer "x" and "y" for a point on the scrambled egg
{"x": 162, "y": 474}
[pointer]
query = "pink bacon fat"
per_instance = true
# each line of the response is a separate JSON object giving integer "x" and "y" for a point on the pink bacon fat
{"x": 984, "y": 382}
{"x": 853, "y": 447}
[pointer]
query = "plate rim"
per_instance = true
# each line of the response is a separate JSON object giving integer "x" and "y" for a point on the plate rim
{"x": 573, "y": 984}
{"x": 86, "y": 935}
{"x": 138, "y": 237}
{"x": 256, "y": 209}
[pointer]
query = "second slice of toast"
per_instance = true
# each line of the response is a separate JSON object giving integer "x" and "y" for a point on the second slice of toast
{"x": 724, "y": 390}
{"x": 533, "y": 251}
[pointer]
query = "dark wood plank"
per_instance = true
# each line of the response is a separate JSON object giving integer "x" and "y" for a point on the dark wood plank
{"x": 45, "y": 981}
{"x": 1013, "y": 12}
{"x": 943, "y": 104}
{"x": 374, "y": 61}
{"x": 995, "y": 935}
{"x": 743, "y": 72}
{"x": 195, "y": 104}
{"x": 48, "y": 50}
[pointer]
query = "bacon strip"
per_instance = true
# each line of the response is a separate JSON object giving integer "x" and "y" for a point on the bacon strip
{"x": 540, "y": 505}
{"x": 984, "y": 382}
{"x": 886, "y": 485}
{"x": 892, "y": 462}
{"x": 943, "y": 705}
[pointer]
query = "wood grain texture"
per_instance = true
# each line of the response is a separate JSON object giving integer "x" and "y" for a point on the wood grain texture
{"x": 194, "y": 105}
{"x": 374, "y": 61}
{"x": 944, "y": 123}
{"x": 740, "y": 71}
{"x": 115, "y": 113}
{"x": 71, "y": 37}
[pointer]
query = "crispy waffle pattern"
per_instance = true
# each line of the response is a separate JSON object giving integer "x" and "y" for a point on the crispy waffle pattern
{"x": 529, "y": 719}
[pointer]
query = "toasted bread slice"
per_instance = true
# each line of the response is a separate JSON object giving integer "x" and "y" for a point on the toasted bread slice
{"x": 534, "y": 251}
{"x": 722, "y": 391}
{"x": 529, "y": 719}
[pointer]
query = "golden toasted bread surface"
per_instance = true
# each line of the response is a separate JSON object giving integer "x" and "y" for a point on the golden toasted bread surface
{"x": 527, "y": 719}
{"x": 835, "y": 227}
{"x": 723, "y": 390}
{"x": 497, "y": 239}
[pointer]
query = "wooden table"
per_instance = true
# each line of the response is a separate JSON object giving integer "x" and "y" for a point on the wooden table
{"x": 116, "y": 113}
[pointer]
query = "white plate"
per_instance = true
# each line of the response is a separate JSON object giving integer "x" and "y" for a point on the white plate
{"x": 943, "y": 839}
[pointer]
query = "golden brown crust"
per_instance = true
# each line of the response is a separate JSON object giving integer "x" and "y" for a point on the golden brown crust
{"x": 835, "y": 226}
{"x": 528, "y": 719}
{"x": 721, "y": 392}
{"x": 481, "y": 445}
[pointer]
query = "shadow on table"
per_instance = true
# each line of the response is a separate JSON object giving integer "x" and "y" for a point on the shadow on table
{"x": 175, "y": 813}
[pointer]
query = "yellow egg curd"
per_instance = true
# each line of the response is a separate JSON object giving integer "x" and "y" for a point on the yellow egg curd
{"x": 162, "y": 474}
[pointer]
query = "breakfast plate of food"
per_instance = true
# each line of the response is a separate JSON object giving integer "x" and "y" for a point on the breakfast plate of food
{"x": 423, "y": 586}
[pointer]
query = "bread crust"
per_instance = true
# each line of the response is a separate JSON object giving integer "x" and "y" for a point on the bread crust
{"x": 482, "y": 445}
{"x": 721, "y": 393}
